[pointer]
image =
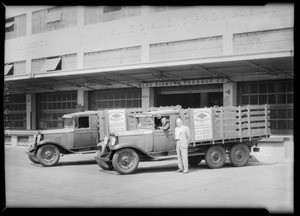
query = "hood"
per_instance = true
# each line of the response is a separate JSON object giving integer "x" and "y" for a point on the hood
{"x": 133, "y": 132}
{"x": 56, "y": 131}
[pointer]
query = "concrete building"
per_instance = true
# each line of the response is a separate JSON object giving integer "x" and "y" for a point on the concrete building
{"x": 58, "y": 59}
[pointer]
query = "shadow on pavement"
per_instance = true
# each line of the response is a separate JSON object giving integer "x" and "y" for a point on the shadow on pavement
{"x": 72, "y": 163}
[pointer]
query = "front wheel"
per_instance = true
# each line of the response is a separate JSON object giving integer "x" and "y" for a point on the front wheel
{"x": 125, "y": 161}
{"x": 239, "y": 155}
{"x": 215, "y": 156}
{"x": 48, "y": 155}
{"x": 32, "y": 156}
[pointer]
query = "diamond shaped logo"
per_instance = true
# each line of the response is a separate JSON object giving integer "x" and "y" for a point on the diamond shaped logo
{"x": 201, "y": 115}
{"x": 116, "y": 115}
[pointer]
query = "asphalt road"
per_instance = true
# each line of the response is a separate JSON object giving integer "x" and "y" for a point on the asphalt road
{"x": 77, "y": 181}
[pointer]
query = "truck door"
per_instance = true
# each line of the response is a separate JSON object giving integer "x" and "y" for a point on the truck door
{"x": 164, "y": 139}
{"x": 84, "y": 132}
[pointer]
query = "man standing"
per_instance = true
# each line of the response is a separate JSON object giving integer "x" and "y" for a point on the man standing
{"x": 182, "y": 137}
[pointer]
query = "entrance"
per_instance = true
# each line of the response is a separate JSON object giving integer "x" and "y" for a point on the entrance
{"x": 191, "y": 100}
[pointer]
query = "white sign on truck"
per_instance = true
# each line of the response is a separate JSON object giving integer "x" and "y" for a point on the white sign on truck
{"x": 117, "y": 120}
{"x": 202, "y": 124}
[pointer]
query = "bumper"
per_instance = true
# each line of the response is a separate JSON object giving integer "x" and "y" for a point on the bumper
{"x": 102, "y": 158}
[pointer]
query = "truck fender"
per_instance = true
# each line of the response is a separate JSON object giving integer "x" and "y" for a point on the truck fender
{"x": 140, "y": 151}
{"x": 62, "y": 148}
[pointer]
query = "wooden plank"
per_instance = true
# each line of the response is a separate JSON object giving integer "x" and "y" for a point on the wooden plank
{"x": 259, "y": 118}
{"x": 267, "y": 118}
{"x": 249, "y": 129}
{"x": 260, "y": 112}
{"x": 260, "y": 124}
{"x": 222, "y": 127}
{"x": 240, "y": 124}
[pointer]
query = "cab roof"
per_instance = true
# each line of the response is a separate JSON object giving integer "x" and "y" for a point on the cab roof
{"x": 84, "y": 113}
{"x": 158, "y": 113}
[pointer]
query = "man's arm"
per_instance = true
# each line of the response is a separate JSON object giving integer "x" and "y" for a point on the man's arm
{"x": 166, "y": 127}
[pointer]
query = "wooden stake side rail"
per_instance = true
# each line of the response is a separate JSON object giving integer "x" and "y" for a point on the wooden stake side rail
{"x": 228, "y": 123}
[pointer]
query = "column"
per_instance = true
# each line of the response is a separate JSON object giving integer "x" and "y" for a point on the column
{"x": 30, "y": 111}
{"x": 147, "y": 97}
{"x": 229, "y": 94}
{"x": 83, "y": 98}
{"x": 28, "y": 37}
{"x": 227, "y": 40}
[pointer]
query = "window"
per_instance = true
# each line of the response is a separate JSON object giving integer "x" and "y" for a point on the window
{"x": 121, "y": 98}
{"x": 102, "y": 14}
{"x": 200, "y": 47}
{"x": 16, "y": 68}
{"x": 113, "y": 57}
{"x": 54, "y": 63}
{"x": 83, "y": 122}
{"x": 280, "y": 96}
{"x": 107, "y": 9}
{"x": 15, "y": 117}
{"x": 53, "y": 19}
{"x": 15, "y": 27}
{"x": 52, "y": 106}
{"x": 264, "y": 41}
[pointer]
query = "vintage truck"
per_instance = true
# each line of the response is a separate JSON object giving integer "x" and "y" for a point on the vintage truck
{"x": 79, "y": 135}
{"x": 217, "y": 132}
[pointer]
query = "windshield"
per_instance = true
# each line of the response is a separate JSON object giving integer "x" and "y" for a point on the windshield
{"x": 68, "y": 122}
{"x": 145, "y": 122}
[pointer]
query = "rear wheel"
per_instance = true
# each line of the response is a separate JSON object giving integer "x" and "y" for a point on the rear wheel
{"x": 125, "y": 161}
{"x": 215, "y": 156}
{"x": 103, "y": 164}
{"x": 32, "y": 156}
{"x": 48, "y": 155}
{"x": 239, "y": 155}
{"x": 195, "y": 160}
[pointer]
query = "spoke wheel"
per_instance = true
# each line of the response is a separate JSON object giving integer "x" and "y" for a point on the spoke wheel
{"x": 215, "y": 156}
{"x": 239, "y": 155}
{"x": 48, "y": 155}
{"x": 125, "y": 161}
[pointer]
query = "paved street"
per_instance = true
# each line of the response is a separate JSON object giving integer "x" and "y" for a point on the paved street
{"x": 78, "y": 181}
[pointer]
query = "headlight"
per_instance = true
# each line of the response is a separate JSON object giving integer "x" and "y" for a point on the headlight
{"x": 39, "y": 136}
{"x": 113, "y": 140}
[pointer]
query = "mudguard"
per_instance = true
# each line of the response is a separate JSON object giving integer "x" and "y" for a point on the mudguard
{"x": 62, "y": 148}
{"x": 128, "y": 145}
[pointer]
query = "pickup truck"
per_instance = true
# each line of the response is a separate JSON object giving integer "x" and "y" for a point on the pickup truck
{"x": 79, "y": 135}
{"x": 216, "y": 132}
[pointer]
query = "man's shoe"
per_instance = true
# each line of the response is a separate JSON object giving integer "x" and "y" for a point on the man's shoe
{"x": 185, "y": 172}
{"x": 179, "y": 170}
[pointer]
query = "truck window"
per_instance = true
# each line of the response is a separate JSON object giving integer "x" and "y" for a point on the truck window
{"x": 83, "y": 122}
{"x": 145, "y": 122}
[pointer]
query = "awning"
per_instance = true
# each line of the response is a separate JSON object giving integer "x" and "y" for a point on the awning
{"x": 51, "y": 64}
{"x": 53, "y": 16}
{"x": 9, "y": 24}
{"x": 7, "y": 69}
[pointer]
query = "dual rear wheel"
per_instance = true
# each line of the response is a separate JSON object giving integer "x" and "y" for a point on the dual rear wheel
{"x": 215, "y": 156}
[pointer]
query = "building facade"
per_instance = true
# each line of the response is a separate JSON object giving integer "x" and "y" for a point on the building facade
{"x": 61, "y": 59}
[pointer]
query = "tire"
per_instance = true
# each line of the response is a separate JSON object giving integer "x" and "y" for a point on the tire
{"x": 125, "y": 161}
{"x": 32, "y": 156}
{"x": 104, "y": 165}
{"x": 195, "y": 160}
{"x": 239, "y": 155}
{"x": 215, "y": 156}
{"x": 48, "y": 155}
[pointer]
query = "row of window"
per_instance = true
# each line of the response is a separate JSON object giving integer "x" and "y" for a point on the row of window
{"x": 65, "y": 17}
{"x": 52, "y": 106}
{"x": 199, "y": 47}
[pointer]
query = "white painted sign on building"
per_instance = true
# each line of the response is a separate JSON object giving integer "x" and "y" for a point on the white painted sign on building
{"x": 202, "y": 124}
{"x": 117, "y": 120}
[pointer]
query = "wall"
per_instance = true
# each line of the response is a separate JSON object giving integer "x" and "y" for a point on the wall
{"x": 173, "y": 25}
